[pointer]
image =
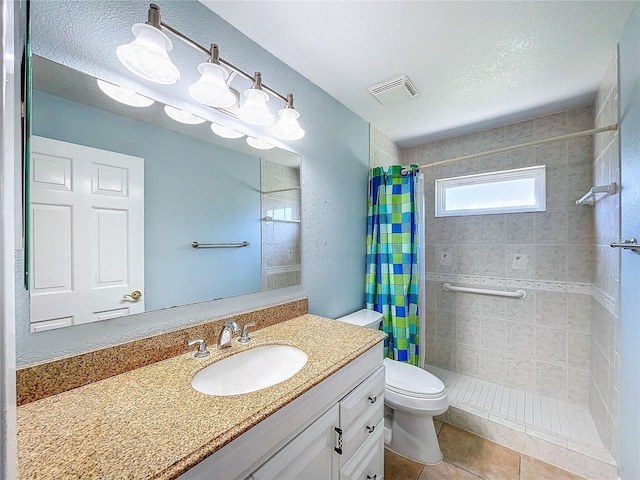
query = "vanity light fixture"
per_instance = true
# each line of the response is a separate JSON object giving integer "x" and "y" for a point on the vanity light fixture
{"x": 147, "y": 56}
{"x": 182, "y": 116}
{"x": 225, "y": 132}
{"x": 124, "y": 95}
{"x": 211, "y": 89}
{"x": 254, "y": 110}
{"x": 259, "y": 143}
{"x": 288, "y": 127}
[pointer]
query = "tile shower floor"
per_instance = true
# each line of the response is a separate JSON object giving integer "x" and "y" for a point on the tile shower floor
{"x": 559, "y": 422}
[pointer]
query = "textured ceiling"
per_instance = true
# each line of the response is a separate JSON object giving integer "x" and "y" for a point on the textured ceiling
{"x": 476, "y": 64}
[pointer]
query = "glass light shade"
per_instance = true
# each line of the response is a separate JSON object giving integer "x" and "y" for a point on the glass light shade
{"x": 259, "y": 143}
{"x": 211, "y": 89}
{"x": 225, "y": 131}
{"x": 182, "y": 116}
{"x": 124, "y": 95}
{"x": 287, "y": 127}
{"x": 147, "y": 56}
{"x": 254, "y": 110}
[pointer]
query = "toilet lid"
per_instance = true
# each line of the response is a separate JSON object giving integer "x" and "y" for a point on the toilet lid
{"x": 411, "y": 381}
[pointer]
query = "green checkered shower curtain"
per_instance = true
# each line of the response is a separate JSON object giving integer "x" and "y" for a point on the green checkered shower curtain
{"x": 391, "y": 279}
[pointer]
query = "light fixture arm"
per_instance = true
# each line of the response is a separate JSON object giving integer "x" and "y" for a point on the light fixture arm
{"x": 214, "y": 54}
{"x": 289, "y": 101}
{"x": 153, "y": 17}
{"x": 251, "y": 78}
{"x": 232, "y": 75}
{"x": 257, "y": 81}
{"x": 155, "y": 21}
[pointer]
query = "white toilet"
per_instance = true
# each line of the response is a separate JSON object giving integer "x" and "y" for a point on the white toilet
{"x": 412, "y": 397}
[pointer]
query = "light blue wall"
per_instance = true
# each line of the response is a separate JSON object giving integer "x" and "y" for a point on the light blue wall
{"x": 193, "y": 191}
{"x": 335, "y": 153}
{"x": 629, "y": 335}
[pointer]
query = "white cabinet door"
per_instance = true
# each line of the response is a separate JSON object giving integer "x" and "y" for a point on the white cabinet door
{"x": 86, "y": 234}
{"x": 309, "y": 456}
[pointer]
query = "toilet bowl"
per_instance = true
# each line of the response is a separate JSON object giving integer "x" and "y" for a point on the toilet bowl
{"x": 412, "y": 397}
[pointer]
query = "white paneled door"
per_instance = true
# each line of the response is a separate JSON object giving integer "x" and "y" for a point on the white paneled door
{"x": 86, "y": 234}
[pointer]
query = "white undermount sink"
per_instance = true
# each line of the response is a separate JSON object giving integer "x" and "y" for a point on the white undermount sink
{"x": 250, "y": 370}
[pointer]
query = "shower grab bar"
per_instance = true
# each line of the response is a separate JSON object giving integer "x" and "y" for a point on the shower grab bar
{"x": 452, "y": 288}
{"x": 291, "y": 189}
{"x": 219, "y": 245}
{"x": 271, "y": 219}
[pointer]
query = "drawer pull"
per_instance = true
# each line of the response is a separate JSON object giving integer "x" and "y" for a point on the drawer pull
{"x": 339, "y": 441}
{"x": 371, "y": 429}
{"x": 373, "y": 399}
{"x": 369, "y": 477}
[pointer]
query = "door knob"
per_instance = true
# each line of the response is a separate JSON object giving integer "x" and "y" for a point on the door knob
{"x": 135, "y": 295}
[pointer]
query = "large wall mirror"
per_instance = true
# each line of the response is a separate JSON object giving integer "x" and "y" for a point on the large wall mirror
{"x": 118, "y": 195}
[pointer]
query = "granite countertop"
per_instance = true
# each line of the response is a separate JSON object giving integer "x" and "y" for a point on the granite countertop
{"x": 150, "y": 422}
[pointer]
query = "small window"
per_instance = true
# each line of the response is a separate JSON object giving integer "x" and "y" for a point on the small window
{"x": 509, "y": 191}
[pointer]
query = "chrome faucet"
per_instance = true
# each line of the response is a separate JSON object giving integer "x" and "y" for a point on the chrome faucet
{"x": 229, "y": 329}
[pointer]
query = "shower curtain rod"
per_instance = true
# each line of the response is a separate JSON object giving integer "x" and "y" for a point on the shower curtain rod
{"x": 567, "y": 136}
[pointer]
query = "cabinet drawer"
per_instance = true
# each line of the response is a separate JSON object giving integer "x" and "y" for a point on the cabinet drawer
{"x": 364, "y": 399}
{"x": 367, "y": 463}
{"x": 363, "y": 427}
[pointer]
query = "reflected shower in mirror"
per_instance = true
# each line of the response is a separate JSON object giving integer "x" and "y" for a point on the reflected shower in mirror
{"x": 119, "y": 193}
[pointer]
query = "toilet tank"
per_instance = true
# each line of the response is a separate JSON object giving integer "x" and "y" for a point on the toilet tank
{"x": 363, "y": 318}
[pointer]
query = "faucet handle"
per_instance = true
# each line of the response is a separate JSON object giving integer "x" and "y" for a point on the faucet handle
{"x": 202, "y": 348}
{"x": 235, "y": 328}
{"x": 244, "y": 338}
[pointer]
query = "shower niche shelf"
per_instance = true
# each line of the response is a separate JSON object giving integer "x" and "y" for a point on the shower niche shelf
{"x": 590, "y": 197}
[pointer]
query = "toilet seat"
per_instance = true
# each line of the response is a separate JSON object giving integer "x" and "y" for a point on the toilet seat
{"x": 412, "y": 381}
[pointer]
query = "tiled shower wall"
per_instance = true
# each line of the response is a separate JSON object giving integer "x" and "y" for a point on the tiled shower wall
{"x": 382, "y": 150}
{"x": 603, "y": 398}
{"x": 281, "y": 255}
{"x": 542, "y": 343}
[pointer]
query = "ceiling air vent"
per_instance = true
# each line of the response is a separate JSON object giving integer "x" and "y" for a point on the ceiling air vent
{"x": 394, "y": 92}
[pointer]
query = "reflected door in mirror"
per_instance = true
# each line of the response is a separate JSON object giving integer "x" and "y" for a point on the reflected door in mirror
{"x": 87, "y": 210}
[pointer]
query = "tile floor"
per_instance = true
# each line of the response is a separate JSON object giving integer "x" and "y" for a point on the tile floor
{"x": 470, "y": 457}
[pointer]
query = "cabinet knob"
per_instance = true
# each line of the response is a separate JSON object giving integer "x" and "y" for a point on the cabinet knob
{"x": 372, "y": 477}
{"x": 373, "y": 399}
{"x": 371, "y": 429}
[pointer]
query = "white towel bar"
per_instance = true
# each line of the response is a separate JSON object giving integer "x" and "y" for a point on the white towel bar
{"x": 219, "y": 245}
{"x": 452, "y": 288}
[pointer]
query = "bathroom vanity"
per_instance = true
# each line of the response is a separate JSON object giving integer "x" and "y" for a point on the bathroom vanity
{"x": 332, "y": 431}
{"x": 324, "y": 422}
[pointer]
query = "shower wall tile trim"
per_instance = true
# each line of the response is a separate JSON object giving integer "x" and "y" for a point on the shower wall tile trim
{"x": 605, "y": 321}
